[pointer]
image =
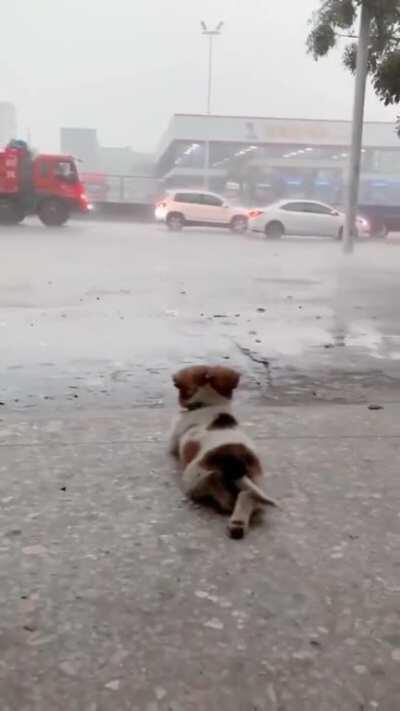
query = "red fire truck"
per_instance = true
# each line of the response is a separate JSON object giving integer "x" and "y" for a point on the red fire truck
{"x": 45, "y": 185}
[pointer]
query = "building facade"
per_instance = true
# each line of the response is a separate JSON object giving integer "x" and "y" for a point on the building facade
{"x": 262, "y": 159}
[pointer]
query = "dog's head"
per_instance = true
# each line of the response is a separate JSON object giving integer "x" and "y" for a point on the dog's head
{"x": 203, "y": 385}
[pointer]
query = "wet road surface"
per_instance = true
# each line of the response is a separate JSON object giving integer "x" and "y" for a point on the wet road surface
{"x": 96, "y": 311}
{"x": 116, "y": 592}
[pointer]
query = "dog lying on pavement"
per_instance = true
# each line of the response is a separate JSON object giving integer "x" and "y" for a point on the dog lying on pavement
{"x": 218, "y": 459}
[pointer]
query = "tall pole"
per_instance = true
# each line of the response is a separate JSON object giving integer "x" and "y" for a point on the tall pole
{"x": 210, "y": 34}
{"x": 209, "y": 93}
{"x": 357, "y": 130}
{"x": 210, "y": 70}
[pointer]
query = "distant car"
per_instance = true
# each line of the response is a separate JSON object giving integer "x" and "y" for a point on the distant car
{"x": 302, "y": 218}
{"x": 188, "y": 208}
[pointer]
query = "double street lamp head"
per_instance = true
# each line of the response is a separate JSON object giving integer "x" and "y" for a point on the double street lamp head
{"x": 211, "y": 31}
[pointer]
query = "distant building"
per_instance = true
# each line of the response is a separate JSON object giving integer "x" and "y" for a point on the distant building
{"x": 270, "y": 158}
{"x": 113, "y": 174}
{"x": 8, "y": 122}
{"x": 129, "y": 174}
{"x": 116, "y": 160}
{"x": 83, "y": 145}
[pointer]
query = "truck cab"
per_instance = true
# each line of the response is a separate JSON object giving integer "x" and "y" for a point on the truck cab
{"x": 46, "y": 185}
{"x": 58, "y": 190}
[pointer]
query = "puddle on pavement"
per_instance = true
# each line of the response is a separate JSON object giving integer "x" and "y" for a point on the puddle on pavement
{"x": 365, "y": 336}
{"x": 294, "y": 339}
{"x": 290, "y": 283}
{"x": 291, "y": 339}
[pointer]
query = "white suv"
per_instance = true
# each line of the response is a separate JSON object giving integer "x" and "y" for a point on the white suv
{"x": 180, "y": 208}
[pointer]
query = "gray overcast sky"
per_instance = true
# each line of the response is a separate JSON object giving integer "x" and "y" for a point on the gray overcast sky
{"x": 124, "y": 66}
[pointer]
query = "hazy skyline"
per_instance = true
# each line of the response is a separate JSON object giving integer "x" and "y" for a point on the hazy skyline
{"x": 124, "y": 67}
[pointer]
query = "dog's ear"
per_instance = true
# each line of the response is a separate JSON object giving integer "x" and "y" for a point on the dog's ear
{"x": 191, "y": 378}
{"x": 177, "y": 379}
{"x": 223, "y": 380}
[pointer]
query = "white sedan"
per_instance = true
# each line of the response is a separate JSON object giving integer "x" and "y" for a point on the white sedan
{"x": 302, "y": 218}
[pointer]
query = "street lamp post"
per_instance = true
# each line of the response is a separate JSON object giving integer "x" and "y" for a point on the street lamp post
{"x": 211, "y": 34}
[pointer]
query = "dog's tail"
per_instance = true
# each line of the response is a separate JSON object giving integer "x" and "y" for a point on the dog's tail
{"x": 246, "y": 484}
{"x": 235, "y": 462}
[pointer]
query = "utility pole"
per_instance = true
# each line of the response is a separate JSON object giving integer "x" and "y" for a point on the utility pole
{"x": 357, "y": 130}
{"x": 211, "y": 34}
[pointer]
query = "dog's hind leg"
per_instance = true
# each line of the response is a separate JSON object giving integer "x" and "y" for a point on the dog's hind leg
{"x": 200, "y": 483}
{"x": 246, "y": 505}
{"x": 195, "y": 480}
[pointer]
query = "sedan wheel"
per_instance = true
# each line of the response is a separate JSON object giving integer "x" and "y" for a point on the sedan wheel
{"x": 239, "y": 224}
{"x": 381, "y": 233}
{"x": 274, "y": 230}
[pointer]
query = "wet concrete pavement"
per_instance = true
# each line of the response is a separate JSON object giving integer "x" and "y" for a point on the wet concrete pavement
{"x": 103, "y": 310}
{"x": 116, "y": 593}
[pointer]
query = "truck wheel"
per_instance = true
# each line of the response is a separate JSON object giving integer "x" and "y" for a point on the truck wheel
{"x": 53, "y": 213}
{"x": 11, "y": 213}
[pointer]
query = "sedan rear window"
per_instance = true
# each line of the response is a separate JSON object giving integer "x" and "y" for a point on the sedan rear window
{"x": 318, "y": 209}
{"x": 295, "y": 207}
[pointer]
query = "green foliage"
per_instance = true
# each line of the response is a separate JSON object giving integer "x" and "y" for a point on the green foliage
{"x": 321, "y": 39}
{"x": 386, "y": 79}
{"x": 337, "y": 18}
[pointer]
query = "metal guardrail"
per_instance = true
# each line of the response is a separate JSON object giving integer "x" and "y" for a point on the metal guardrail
{"x": 129, "y": 189}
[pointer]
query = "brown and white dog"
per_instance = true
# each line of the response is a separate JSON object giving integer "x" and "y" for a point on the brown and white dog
{"x": 219, "y": 460}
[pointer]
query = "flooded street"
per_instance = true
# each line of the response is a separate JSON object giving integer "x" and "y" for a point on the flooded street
{"x": 98, "y": 311}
